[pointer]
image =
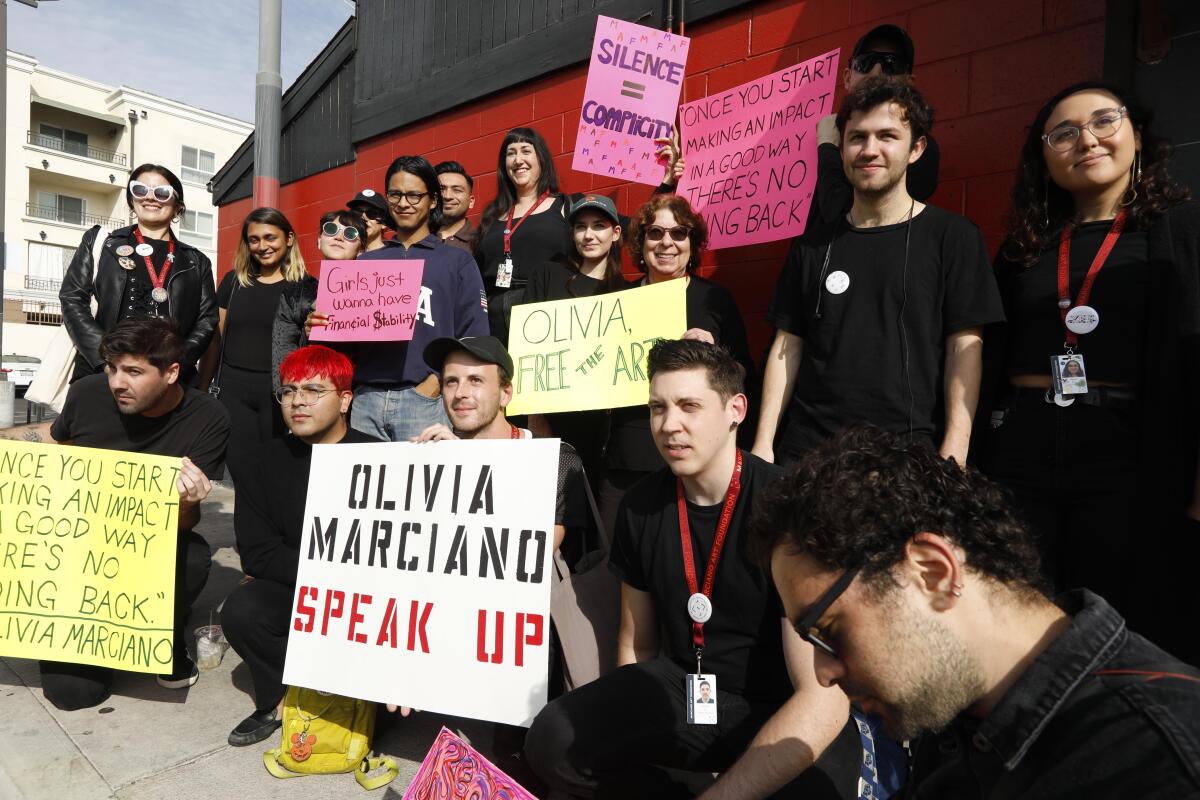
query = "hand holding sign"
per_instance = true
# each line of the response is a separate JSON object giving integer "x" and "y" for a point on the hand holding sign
{"x": 367, "y": 301}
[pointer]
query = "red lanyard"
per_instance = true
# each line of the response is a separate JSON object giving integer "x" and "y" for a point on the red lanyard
{"x": 516, "y": 432}
{"x": 1064, "y": 271}
{"x": 685, "y": 540}
{"x": 510, "y": 229}
{"x": 155, "y": 278}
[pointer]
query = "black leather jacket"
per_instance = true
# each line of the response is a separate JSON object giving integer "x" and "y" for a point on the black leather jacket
{"x": 287, "y": 334}
{"x": 191, "y": 298}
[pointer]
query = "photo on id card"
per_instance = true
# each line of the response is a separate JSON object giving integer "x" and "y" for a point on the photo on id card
{"x": 1068, "y": 374}
{"x": 701, "y": 699}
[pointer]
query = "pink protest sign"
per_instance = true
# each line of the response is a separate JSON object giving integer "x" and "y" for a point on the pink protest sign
{"x": 453, "y": 770}
{"x": 368, "y": 301}
{"x": 630, "y": 100}
{"x": 751, "y": 153}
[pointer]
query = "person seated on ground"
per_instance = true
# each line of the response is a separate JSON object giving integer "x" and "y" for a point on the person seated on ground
{"x": 614, "y": 736}
{"x": 921, "y": 592}
{"x": 314, "y": 397}
{"x": 138, "y": 405}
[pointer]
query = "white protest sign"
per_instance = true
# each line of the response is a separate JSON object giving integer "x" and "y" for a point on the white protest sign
{"x": 425, "y": 574}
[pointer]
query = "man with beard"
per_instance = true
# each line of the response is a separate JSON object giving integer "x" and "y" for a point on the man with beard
{"x": 458, "y": 198}
{"x": 138, "y": 405}
{"x": 920, "y": 592}
{"x": 879, "y": 316}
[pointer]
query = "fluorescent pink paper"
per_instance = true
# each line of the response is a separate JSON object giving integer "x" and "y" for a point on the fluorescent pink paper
{"x": 368, "y": 301}
{"x": 631, "y": 96}
{"x": 453, "y": 770}
{"x": 751, "y": 153}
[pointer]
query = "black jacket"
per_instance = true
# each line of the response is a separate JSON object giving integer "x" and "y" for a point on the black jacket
{"x": 1101, "y": 713}
{"x": 287, "y": 334}
{"x": 191, "y": 298}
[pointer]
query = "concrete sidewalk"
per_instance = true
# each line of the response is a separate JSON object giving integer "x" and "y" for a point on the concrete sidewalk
{"x": 147, "y": 742}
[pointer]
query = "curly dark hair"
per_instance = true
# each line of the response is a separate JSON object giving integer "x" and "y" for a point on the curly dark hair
{"x": 882, "y": 89}
{"x": 856, "y": 500}
{"x": 725, "y": 375}
{"x": 684, "y": 215}
{"x": 1040, "y": 209}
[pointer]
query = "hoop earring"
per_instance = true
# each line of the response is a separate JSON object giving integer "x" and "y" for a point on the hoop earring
{"x": 1046, "y": 201}
{"x": 1135, "y": 177}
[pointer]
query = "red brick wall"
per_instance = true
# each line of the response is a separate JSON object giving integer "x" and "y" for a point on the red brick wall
{"x": 984, "y": 66}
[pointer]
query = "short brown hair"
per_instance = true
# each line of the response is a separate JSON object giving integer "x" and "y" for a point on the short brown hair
{"x": 156, "y": 339}
{"x": 684, "y": 215}
{"x": 725, "y": 375}
{"x": 881, "y": 89}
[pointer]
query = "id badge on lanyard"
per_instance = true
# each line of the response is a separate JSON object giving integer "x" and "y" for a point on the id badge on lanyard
{"x": 504, "y": 271}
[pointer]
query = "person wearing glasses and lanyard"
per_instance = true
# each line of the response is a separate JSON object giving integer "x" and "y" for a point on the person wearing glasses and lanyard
{"x": 885, "y": 50}
{"x": 1101, "y": 267}
{"x": 679, "y": 552}
{"x": 396, "y": 394}
{"x": 313, "y": 401}
{"x": 144, "y": 270}
{"x": 918, "y": 586}
{"x": 667, "y": 239}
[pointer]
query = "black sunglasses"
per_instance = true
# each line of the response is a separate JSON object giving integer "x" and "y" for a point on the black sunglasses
{"x": 807, "y": 626}
{"x": 891, "y": 62}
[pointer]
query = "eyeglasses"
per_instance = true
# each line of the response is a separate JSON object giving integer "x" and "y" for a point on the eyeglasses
{"x": 413, "y": 198}
{"x": 141, "y": 191}
{"x": 656, "y": 232}
{"x": 307, "y": 395}
{"x": 1102, "y": 125}
{"x": 892, "y": 63}
{"x": 332, "y": 229}
{"x": 807, "y": 626}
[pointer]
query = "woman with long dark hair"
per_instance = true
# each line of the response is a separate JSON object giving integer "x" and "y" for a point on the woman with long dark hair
{"x": 526, "y": 225}
{"x": 144, "y": 270}
{"x": 1102, "y": 261}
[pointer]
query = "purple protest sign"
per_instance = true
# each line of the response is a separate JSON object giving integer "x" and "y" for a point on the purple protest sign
{"x": 632, "y": 92}
{"x": 751, "y": 153}
{"x": 368, "y": 301}
{"x": 453, "y": 770}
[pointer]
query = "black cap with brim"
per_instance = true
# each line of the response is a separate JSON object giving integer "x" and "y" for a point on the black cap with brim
{"x": 485, "y": 348}
{"x": 369, "y": 198}
{"x": 892, "y": 33}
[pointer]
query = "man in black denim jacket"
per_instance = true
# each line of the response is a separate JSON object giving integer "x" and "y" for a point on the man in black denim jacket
{"x": 921, "y": 594}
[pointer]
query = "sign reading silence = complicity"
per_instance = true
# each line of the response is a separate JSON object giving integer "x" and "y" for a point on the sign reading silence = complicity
{"x": 87, "y": 556}
{"x": 428, "y": 567}
{"x": 370, "y": 301}
{"x": 632, "y": 92}
{"x": 751, "y": 153}
{"x": 587, "y": 353}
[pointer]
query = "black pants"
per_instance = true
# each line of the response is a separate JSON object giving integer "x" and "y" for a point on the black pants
{"x": 74, "y": 686}
{"x": 254, "y": 415}
{"x": 255, "y": 620}
{"x": 614, "y": 736}
{"x": 613, "y": 486}
{"x": 1073, "y": 474}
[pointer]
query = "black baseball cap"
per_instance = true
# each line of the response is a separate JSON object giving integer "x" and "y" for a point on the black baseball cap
{"x": 897, "y": 36}
{"x": 372, "y": 199}
{"x": 485, "y": 348}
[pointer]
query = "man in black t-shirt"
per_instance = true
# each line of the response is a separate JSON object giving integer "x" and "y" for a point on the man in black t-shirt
{"x": 138, "y": 405}
{"x": 616, "y": 736}
{"x": 879, "y": 316}
{"x": 314, "y": 397}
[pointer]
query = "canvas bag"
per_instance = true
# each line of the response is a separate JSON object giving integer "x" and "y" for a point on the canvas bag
{"x": 327, "y": 734}
{"x": 49, "y": 386}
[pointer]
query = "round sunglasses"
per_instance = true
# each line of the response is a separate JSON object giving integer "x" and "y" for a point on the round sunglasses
{"x": 678, "y": 233}
{"x": 332, "y": 229}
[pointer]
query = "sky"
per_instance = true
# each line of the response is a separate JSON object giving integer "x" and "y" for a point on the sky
{"x": 200, "y": 52}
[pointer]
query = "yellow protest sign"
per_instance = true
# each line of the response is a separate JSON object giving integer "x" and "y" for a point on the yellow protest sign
{"x": 87, "y": 555}
{"x": 575, "y": 355}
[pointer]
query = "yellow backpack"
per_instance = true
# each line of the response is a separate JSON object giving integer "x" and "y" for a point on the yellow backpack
{"x": 326, "y": 734}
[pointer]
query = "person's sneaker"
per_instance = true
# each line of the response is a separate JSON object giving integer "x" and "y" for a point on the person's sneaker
{"x": 255, "y": 728}
{"x": 185, "y": 675}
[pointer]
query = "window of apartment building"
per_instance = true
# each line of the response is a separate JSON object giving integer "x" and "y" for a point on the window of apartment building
{"x": 39, "y": 312}
{"x": 60, "y": 207}
{"x": 48, "y": 261}
{"x": 63, "y": 139}
{"x": 198, "y": 165}
{"x": 197, "y": 223}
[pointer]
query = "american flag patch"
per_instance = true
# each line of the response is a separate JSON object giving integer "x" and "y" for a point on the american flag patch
{"x": 483, "y": 299}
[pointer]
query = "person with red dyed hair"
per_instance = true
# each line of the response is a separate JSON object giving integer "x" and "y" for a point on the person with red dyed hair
{"x": 314, "y": 397}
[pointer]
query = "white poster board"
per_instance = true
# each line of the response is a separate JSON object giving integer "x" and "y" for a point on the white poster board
{"x": 425, "y": 575}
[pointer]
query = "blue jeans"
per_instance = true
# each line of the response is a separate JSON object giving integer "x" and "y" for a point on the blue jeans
{"x": 395, "y": 415}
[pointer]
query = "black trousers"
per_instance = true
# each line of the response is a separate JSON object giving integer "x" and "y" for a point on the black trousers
{"x": 614, "y": 737}
{"x": 256, "y": 619}
{"x": 613, "y": 486}
{"x": 74, "y": 686}
{"x": 254, "y": 415}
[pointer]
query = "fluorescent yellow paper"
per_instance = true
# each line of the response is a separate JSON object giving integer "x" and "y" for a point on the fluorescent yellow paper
{"x": 575, "y": 355}
{"x": 87, "y": 555}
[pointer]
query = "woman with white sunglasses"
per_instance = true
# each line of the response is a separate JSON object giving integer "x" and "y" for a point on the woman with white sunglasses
{"x": 143, "y": 270}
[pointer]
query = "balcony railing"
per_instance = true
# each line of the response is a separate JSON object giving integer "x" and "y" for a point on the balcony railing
{"x": 74, "y": 148}
{"x": 43, "y": 284}
{"x": 70, "y": 217}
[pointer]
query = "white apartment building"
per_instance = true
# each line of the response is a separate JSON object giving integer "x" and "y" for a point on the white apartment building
{"x": 71, "y": 143}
